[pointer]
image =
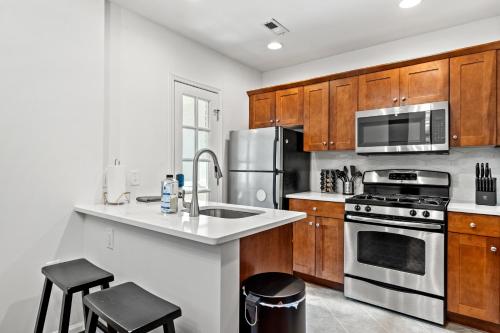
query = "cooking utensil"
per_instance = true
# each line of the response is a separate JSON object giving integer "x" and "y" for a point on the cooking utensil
{"x": 346, "y": 172}
{"x": 353, "y": 171}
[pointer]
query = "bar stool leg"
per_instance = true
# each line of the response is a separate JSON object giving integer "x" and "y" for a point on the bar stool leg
{"x": 65, "y": 313}
{"x": 44, "y": 303}
{"x": 85, "y": 309}
{"x": 91, "y": 326}
{"x": 169, "y": 327}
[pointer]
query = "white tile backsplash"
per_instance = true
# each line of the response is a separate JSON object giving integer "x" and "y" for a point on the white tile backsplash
{"x": 460, "y": 163}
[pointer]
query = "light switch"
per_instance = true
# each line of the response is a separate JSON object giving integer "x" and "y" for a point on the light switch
{"x": 110, "y": 238}
{"x": 134, "y": 178}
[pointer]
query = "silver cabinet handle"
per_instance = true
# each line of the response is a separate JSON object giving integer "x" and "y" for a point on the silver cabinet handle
{"x": 324, "y": 143}
{"x": 317, "y": 225}
{"x": 315, "y": 209}
{"x": 271, "y": 121}
{"x": 403, "y": 98}
{"x": 277, "y": 120}
{"x": 472, "y": 225}
{"x": 331, "y": 142}
{"x": 310, "y": 223}
{"x": 394, "y": 99}
{"x": 455, "y": 137}
{"x": 493, "y": 249}
{"x": 432, "y": 226}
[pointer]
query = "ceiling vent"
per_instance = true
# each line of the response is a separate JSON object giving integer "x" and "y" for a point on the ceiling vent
{"x": 276, "y": 27}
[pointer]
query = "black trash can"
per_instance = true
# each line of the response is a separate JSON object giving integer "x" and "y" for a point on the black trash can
{"x": 273, "y": 303}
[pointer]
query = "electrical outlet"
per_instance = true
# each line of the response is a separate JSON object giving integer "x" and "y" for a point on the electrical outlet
{"x": 134, "y": 178}
{"x": 110, "y": 238}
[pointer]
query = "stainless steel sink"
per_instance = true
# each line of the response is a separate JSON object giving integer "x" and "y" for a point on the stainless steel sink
{"x": 228, "y": 213}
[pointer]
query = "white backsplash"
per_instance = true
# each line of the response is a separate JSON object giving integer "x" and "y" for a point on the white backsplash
{"x": 460, "y": 163}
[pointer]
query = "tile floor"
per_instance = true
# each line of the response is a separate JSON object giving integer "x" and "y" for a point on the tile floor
{"x": 328, "y": 311}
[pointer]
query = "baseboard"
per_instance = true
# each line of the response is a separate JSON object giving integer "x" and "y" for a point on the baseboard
{"x": 473, "y": 322}
{"x": 319, "y": 281}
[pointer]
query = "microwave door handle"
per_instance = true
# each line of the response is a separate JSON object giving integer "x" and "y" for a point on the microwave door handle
{"x": 432, "y": 226}
{"x": 428, "y": 122}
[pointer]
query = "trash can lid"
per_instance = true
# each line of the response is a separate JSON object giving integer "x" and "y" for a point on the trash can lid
{"x": 275, "y": 287}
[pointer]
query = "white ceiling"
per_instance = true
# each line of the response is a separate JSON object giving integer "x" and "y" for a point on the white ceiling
{"x": 318, "y": 28}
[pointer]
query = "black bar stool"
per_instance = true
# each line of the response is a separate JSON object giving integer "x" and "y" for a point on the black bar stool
{"x": 127, "y": 308}
{"x": 71, "y": 277}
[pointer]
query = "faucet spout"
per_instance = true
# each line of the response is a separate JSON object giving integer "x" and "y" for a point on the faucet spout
{"x": 194, "y": 210}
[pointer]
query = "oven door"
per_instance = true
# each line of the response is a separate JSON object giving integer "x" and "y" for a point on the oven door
{"x": 411, "y": 258}
{"x": 399, "y": 129}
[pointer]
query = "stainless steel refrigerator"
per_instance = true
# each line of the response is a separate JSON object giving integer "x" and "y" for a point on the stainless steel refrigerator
{"x": 265, "y": 165}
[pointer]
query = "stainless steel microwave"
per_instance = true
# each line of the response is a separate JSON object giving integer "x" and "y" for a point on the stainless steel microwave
{"x": 405, "y": 129}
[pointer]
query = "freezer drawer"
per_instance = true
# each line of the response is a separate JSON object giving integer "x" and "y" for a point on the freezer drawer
{"x": 252, "y": 188}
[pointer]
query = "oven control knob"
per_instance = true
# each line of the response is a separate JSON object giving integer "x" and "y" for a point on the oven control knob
{"x": 368, "y": 209}
{"x": 413, "y": 212}
{"x": 426, "y": 213}
{"x": 357, "y": 207}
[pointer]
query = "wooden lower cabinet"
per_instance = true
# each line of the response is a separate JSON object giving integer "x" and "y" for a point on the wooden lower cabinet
{"x": 474, "y": 267}
{"x": 330, "y": 249}
{"x": 304, "y": 246}
{"x": 318, "y": 241}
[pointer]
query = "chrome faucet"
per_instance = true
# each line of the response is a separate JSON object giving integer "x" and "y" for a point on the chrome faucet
{"x": 194, "y": 209}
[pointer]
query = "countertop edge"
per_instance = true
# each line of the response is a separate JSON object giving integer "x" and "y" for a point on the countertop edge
{"x": 187, "y": 236}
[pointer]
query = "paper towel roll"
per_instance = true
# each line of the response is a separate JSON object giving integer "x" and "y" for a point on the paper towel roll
{"x": 116, "y": 180}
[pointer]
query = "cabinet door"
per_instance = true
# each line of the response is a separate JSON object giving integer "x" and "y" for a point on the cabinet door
{"x": 473, "y": 273}
{"x": 379, "y": 90}
{"x": 330, "y": 249}
{"x": 424, "y": 83}
{"x": 304, "y": 243}
{"x": 290, "y": 107}
{"x": 262, "y": 107}
{"x": 316, "y": 117}
{"x": 473, "y": 99}
{"x": 343, "y": 107}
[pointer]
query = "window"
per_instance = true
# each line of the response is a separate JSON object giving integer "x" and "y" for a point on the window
{"x": 197, "y": 113}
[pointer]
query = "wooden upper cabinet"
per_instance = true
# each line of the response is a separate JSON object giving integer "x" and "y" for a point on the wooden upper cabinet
{"x": 424, "y": 83}
{"x": 473, "y": 276}
{"x": 473, "y": 90}
{"x": 379, "y": 90}
{"x": 304, "y": 244}
{"x": 290, "y": 107}
{"x": 330, "y": 249}
{"x": 262, "y": 110}
{"x": 343, "y": 107}
{"x": 316, "y": 110}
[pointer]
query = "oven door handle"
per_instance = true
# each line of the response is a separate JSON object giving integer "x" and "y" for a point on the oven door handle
{"x": 432, "y": 226}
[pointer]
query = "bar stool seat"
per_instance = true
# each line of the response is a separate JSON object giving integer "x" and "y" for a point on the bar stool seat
{"x": 71, "y": 277}
{"x": 76, "y": 275}
{"x": 128, "y": 308}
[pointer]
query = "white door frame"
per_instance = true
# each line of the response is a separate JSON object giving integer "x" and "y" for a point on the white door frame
{"x": 173, "y": 125}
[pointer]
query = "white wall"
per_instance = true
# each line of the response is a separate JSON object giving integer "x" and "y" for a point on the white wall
{"x": 473, "y": 33}
{"x": 144, "y": 56}
{"x": 51, "y": 106}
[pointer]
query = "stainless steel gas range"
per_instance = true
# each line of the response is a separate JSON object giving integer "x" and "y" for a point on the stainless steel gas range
{"x": 395, "y": 245}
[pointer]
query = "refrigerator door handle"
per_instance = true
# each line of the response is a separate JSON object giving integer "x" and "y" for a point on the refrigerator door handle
{"x": 275, "y": 169}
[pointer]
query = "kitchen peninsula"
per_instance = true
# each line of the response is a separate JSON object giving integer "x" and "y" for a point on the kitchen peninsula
{"x": 193, "y": 262}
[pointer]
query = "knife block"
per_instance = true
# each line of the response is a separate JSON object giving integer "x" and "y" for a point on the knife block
{"x": 487, "y": 198}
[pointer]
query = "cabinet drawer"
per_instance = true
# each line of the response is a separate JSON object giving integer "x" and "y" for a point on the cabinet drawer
{"x": 474, "y": 224}
{"x": 318, "y": 208}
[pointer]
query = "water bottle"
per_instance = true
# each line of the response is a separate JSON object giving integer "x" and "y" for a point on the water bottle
{"x": 169, "y": 195}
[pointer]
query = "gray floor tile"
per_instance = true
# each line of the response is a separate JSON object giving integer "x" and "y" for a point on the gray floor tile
{"x": 329, "y": 311}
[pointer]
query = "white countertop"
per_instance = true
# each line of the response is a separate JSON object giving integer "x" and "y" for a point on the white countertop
{"x": 453, "y": 206}
{"x": 204, "y": 229}
{"x": 470, "y": 207}
{"x": 332, "y": 197}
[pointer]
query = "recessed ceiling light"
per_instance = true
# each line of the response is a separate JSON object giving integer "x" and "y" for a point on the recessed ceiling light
{"x": 274, "y": 46}
{"x": 409, "y": 3}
